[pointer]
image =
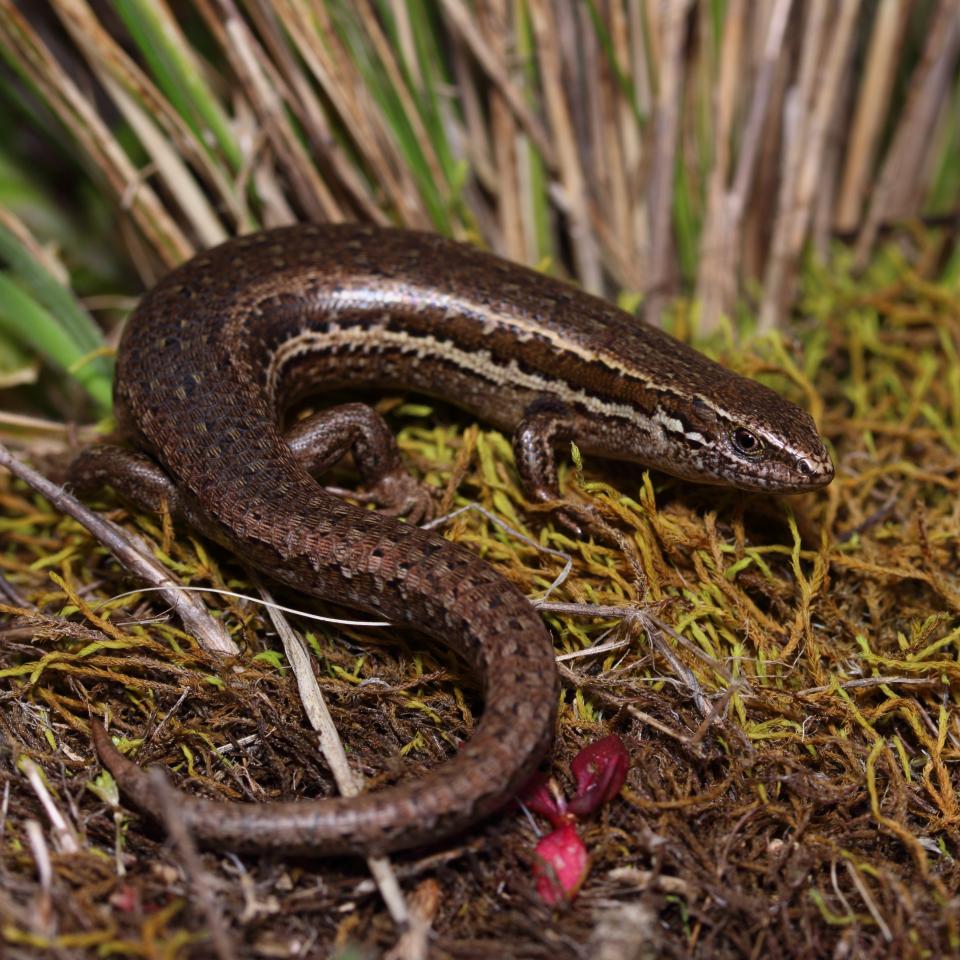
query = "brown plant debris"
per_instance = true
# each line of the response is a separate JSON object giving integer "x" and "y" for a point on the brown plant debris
{"x": 787, "y": 691}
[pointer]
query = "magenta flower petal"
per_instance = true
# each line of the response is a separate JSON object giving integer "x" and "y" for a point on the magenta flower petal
{"x": 561, "y": 865}
{"x": 542, "y": 795}
{"x": 600, "y": 769}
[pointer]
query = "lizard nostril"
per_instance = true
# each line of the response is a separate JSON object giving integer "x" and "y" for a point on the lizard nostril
{"x": 805, "y": 467}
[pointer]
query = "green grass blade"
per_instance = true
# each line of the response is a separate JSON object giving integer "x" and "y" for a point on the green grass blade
{"x": 395, "y": 117}
{"x": 27, "y": 322}
{"x": 539, "y": 209}
{"x": 686, "y": 222}
{"x": 177, "y": 75}
{"x": 623, "y": 81}
{"x": 48, "y": 291}
{"x": 435, "y": 79}
{"x": 17, "y": 365}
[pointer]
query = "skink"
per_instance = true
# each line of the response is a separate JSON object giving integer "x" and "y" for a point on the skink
{"x": 219, "y": 350}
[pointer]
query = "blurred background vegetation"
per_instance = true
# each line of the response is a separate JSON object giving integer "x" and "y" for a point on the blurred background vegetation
{"x": 643, "y": 149}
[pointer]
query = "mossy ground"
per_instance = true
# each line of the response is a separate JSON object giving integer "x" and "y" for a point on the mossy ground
{"x": 787, "y": 688}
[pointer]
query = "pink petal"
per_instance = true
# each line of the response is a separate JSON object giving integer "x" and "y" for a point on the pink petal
{"x": 542, "y": 795}
{"x": 600, "y": 769}
{"x": 125, "y": 898}
{"x": 561, "y": 865}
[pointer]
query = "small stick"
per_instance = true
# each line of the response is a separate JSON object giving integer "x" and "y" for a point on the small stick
{"x": 64, "y": 833}
{"x": 192, "y": 866}
{"x": 10, "y": 594}
{"x": 331, "y": 745}
{"x": 132, "y": 553}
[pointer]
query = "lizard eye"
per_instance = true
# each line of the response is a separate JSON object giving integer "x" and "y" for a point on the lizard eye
{"x": 746, "y": 443}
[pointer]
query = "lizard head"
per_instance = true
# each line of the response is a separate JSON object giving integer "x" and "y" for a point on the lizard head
{"x": 747, "y": 436}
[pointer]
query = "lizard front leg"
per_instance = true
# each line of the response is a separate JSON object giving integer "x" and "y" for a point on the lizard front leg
{"x": 546, "y": 424}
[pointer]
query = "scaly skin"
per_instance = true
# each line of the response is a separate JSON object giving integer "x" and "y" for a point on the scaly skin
{"x": 213, "y": 355}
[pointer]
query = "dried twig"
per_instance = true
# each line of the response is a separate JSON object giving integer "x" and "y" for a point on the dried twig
{"x": 331, "y": 746}
{"x": 210, "y": 634}
{"x": 199, "y": 879}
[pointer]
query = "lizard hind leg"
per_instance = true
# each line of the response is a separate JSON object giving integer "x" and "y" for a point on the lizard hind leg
{"x": 135, "y": 477}
{"x": 321, "y": 440}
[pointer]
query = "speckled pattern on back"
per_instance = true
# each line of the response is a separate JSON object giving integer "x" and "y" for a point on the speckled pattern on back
{"x": 215, "y": 352}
